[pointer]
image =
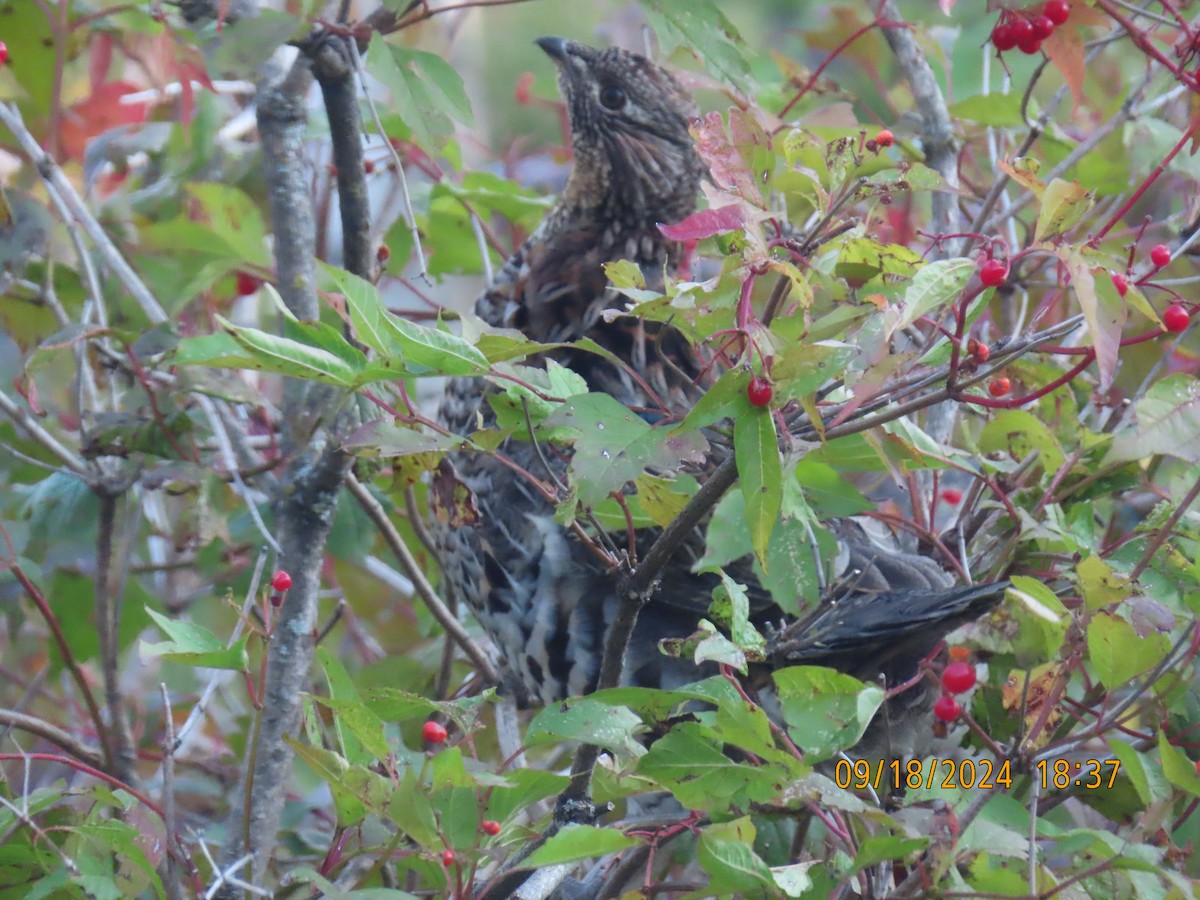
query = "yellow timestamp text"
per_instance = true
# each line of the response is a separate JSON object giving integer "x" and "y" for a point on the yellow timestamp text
{"x": 1087, "y": 774}
{"x": 896, "y": 774}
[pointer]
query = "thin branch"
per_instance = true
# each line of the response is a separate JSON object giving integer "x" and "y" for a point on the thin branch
{"x": 376, "y": 513}
{"x": 172, "y": 882}
{"x": 410, "y": 217}
{"x": 26, "y": 422}
{"x": 53, "y": 734}
{"x": 55, "y": 180}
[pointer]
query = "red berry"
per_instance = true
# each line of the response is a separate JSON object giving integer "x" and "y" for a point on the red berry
{"x": 953, "y": 496}
{"x": 946, "y": 708}
{"x": 384, "y": 253}
{"x": 1029, "y": 47}
{"x": 1043, "y": 27}
{"x": 1160, "y": 255}
{"x": 434, "y": 732}
{"x": 759, "y": 391}
{"x": 3, "y": 53}
{"x": 992, "y": 273}
{"x": 368, "y": 166}
{"x": 247, "y": 284}
{"x": 1176, "y": 319}
{"x": 282, "y": 581}
{"x": 885, "y": 138}
{"x": 979, "y": 350}
{"x": 1120, "y": 282}
{"x": 448, "y": 858}
{"x": 998, "y": 387}
{"x": 488, "y": 826}
{"x": 1057, "y": 11}
{"x": 1002, "y": 37}
{"x": 1022, "y": 30}
{"x": 958, "y": 677}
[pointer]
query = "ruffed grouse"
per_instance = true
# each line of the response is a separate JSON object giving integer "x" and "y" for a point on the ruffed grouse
{"x": 542, "y": 598}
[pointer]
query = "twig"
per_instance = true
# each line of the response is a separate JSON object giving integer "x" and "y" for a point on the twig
{"x": 376, "y": 513}
{"x": 54, "y": 178}
{"x": 937, "y": 135}
{"x": 410, "y": 217}
{"x": 1165, "y": 531}
{"x": 172, "y": 885}
{"x": 53, "y": 734}
{"x": 123, "y": 757}
{"x": 27, "y": 424}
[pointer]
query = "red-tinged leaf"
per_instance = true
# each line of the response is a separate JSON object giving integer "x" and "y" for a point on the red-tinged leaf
{"x": 1065, "y": 49}
{"x": 1104, "y": 311}
{"x": 27, "y": 388}
{"x": 706, "y": 223}
{"x": 729, "y": 169}
{"x": 100, "y": 58}
{"x": 98, "y": 113}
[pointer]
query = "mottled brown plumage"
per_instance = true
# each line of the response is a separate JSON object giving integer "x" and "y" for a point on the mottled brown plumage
{"x": 544, "y": 600}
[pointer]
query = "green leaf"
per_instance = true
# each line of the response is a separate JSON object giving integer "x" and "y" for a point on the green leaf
{"x": 1118, "y": 652}
{"x": 421, "y": 350}
{"x": 800, "y": 369}
{"x": 522, "y": 787}
{"x": 825, "y": 710}
{"x": 659, "y": 501}
{"x": 1064, "y": 203}
{"x": 700, "y": 27}
{"x": 388, "y": 438}
{"x": 1041, "y": 620}
{"x": 689, "y": 763}
{"x": 487, "y": 191}
{"x": 887, "y": 846}
{"x": 613, "y": 445}
{"x": 423, "y": 87}
{"x": 726, "y": 853}
{"x": 731, "y": 608}
{"x": 997, "y": 110}
{"x": 195, "y": 645}
{"x": 934, "y": 286}
{"x": 1145, "y": 776}
{"x": 794, "y": 880}
{"x": 233, "y": 218}
{"x": 1165, "y": 421}
{"x": 356, "y": 789}
{"x": 1180, "y": 770}
{"x": 249, "y": 348}
{"x": 1017, "y": 431}
{"x": 241, "y": 45}
{"x": 760, "y": 472}
{"x": 712, "y": 647}
{"x": 1099, "y": 584}
{"x": 574, "y": 842}
{"x": 725, "y": 399}
{"x": 588, "y": 721}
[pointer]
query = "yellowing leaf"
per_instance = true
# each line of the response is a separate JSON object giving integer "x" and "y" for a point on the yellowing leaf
{"x": 1064, "y": 203}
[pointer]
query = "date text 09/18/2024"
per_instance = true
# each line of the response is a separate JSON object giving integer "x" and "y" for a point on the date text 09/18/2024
{"x": 981, "y": 774}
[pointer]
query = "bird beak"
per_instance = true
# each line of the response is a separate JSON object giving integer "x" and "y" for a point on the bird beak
{"x": 556, "y": 48}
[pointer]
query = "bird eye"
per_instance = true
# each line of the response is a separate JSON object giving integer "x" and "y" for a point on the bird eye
{"x": 612, "y": 96}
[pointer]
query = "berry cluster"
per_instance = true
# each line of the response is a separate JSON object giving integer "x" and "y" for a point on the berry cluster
{"x": 957, "y": 678}
{"x": 1026, "y": 29}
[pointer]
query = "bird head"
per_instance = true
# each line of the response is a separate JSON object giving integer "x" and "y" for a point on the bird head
{"x": 629, "y": 132}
